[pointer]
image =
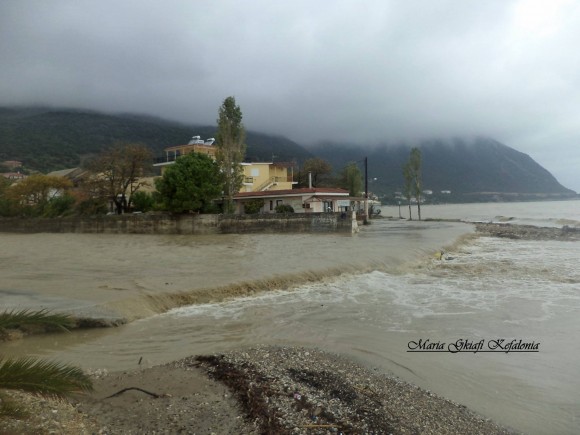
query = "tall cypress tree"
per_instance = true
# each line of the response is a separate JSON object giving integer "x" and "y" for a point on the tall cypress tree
{"x": 415, "y": 165}
{"x": 231, "y": 148}
{"x": 413, "y": 180}
{"x": 408, "y": 192}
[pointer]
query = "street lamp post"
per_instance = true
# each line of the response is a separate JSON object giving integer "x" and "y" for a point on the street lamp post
{"x": 400, "y": 217}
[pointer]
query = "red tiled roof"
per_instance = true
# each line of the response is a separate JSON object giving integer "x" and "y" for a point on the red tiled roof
{"x": 302, "y": 191}
{"x": 330, "y": 198}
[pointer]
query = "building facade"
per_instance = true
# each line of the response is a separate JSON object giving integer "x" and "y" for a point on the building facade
{"x": 264, "y": 176}
{"x": 195, "y": 145}
{"x": 258, "y": 176}
{"x": 304, "y": 200}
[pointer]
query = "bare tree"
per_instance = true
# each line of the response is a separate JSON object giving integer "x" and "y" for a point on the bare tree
{"x": 118, "y": 172}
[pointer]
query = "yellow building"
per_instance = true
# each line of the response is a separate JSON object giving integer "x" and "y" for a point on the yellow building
{"x": 259, "y": 177}
{"x": 196, "y": 144}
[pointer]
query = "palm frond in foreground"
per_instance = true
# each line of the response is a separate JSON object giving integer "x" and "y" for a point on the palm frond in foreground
{"x": 16, "y": 318}
{"x": 42, "y": 377}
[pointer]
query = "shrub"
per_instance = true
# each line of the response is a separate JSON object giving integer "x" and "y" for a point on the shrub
{"x": 284, "y": 208}
{"x": 59, "y": 206}
{"x": 91, "y": 206}
{"x": 253, "y": 206}
{"x": 142, "y": 201}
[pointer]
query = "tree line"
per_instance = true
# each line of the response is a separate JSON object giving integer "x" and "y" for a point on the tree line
{"x": 115, "y": 181}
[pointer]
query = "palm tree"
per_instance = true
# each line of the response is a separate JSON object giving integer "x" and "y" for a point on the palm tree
{"x": 47, "y": 378}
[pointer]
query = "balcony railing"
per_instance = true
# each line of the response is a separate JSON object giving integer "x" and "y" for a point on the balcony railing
{"x": 271, "y": 181}
{"x": 166, "y": 159}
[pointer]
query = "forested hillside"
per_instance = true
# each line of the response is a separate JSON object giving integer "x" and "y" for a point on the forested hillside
{"x": 51, "y": 139}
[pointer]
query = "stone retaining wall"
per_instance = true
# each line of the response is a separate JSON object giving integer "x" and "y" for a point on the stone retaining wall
{"x": 183, "y": 224}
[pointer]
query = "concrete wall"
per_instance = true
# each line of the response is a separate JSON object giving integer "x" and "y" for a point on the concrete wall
{"x": 183, "y": 224}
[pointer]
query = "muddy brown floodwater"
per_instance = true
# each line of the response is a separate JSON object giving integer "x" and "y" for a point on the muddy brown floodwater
{"x": 135, "y": 276}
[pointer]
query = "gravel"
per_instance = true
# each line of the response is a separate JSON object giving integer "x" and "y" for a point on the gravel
{"x": 306, "y": 391}
{"x": 262, "y": 390}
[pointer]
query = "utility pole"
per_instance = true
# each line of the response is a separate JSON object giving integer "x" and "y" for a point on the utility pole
{"x": 366, "y": 192}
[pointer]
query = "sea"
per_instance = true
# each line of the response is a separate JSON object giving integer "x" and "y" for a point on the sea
{"x": 490, "y": 323}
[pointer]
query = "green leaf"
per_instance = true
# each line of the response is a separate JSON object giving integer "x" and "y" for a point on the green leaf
{"x": 16, "y": 318}
{"x": 46, "y": 378}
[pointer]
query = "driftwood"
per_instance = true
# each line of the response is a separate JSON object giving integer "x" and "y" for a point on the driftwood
{"x": 118, "y": 393}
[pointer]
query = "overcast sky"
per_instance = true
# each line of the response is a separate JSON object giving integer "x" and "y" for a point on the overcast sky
{"x": 360, "y": 71}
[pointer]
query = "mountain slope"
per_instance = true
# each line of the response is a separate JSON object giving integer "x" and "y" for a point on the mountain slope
{"x": 462, "y": 166}
{"x": 50, "y": 139}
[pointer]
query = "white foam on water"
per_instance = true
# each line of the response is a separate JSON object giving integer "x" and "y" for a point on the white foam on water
{"x": 491, "y": 288}
{"x": 543, "y": 214}
{"x": 491, "y": 275}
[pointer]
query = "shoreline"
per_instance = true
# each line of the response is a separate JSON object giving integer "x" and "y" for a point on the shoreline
{"x": 263, "y": 389}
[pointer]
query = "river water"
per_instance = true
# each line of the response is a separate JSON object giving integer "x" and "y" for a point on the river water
{"x": 484, "y": 289}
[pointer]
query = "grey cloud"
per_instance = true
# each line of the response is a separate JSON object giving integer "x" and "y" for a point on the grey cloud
{"x": 372, "y": 71}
